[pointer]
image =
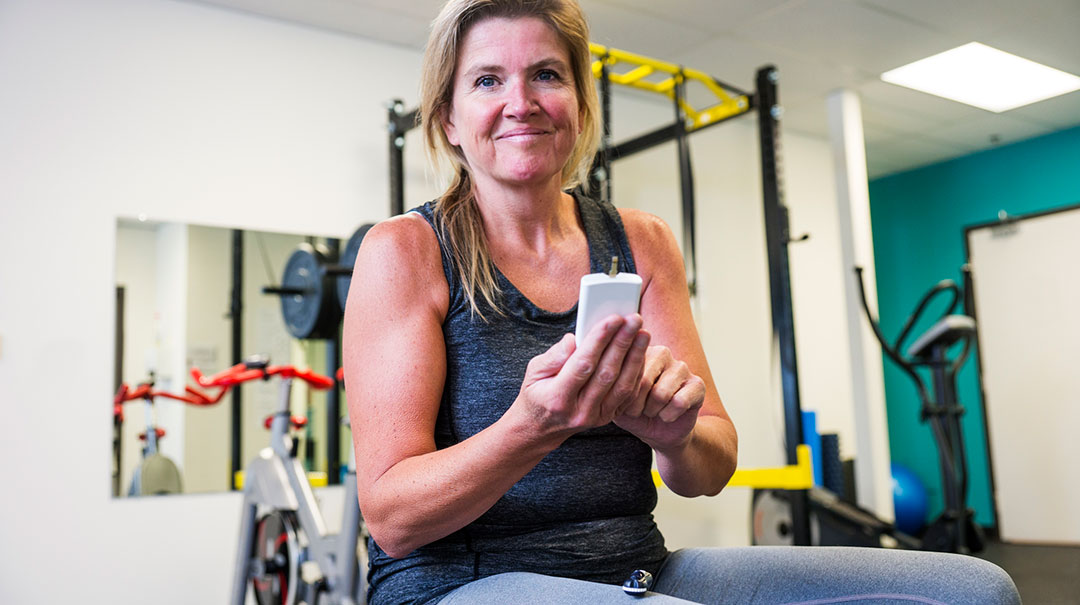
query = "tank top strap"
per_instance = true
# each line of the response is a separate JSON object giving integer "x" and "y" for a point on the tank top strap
{"x": 428, "y": 212}
{"x": 606, "y": 235}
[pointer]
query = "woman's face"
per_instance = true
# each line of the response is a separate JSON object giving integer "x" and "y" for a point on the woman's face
{"x": 514, "y": 111}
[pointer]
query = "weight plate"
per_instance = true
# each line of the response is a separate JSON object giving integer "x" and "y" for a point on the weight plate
{"x": 771, "y": 520}
{"x": 276, "y": 560}
{"x": 348, "y": 259}
{"x": 312, "y": 313}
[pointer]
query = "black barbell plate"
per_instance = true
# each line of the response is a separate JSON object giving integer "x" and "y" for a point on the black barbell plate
{"x": 348, "y": 259}
{"x": 312, "y": 314}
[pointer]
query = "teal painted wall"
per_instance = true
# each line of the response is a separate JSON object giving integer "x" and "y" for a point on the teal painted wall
{"x": 918, "y": 222}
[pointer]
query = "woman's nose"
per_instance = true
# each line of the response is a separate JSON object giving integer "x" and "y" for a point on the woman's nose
{"x": 520, "y": 101}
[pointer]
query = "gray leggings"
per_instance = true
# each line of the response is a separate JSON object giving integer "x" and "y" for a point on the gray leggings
{"x": 771, "y": 574}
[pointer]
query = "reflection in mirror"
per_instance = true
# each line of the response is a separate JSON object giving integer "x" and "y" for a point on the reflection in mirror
{"x": 175, "y": 311}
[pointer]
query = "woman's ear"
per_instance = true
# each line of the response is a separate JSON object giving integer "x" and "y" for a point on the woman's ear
{"x": 446, "y": 117}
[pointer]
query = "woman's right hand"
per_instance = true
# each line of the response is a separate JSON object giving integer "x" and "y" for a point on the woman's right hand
{"x": 568, "y": 389}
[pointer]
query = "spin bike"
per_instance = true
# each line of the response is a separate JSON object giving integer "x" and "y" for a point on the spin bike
{"x": 285, "y": 550}
{"x": 955, "y": 529}
{"x": 156, "y": 474}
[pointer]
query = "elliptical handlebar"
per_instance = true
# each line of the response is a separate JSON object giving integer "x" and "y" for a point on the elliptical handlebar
{"x": 945, "y": 285}
{"x": 893, "y": 352}
{"x": 259, "y": 369}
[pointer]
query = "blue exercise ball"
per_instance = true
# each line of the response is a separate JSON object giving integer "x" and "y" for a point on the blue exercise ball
{"x": 909, "y": 500}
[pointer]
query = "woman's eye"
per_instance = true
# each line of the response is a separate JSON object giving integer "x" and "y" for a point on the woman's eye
{"x": 547, "y": 75}
{"x": 486, "y": 82}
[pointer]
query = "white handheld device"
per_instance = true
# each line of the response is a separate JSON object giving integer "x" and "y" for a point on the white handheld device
{"x": 606, "y": 294}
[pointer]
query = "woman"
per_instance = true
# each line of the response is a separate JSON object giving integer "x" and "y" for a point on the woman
{"x": 495, "y": 459}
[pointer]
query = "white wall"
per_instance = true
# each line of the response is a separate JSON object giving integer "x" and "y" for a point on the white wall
{"x": 192, "y": 114}
{"x": 188, "y": 114}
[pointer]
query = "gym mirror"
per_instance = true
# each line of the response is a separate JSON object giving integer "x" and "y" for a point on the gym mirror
{"x": 175, "y": 310}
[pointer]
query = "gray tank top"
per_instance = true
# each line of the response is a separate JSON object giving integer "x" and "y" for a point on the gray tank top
{"x": 585, "y": 511}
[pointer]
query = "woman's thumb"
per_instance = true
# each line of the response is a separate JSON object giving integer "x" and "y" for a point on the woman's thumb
{"x": 551, "y": 361}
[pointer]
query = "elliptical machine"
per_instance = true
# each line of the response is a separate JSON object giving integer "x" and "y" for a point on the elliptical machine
{"x": 955, "y": 529}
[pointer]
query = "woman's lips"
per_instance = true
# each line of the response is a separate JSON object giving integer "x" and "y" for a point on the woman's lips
{"x": 523, "y": 133}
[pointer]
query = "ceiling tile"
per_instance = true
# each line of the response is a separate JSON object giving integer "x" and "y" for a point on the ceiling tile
{"x": 716, "y": 16}
{"x": 1057, "y": 113}
{"x": 883, "y": 124}
{"x": 736, "y": 61}
{"x": 844, "y": 33}
{"x": 905, "y": 153}
{"x": 357, "y": 18}
{"x": 425, "y": 10}
{"x": 974, "y": 19}
{"x": 989, "y": 131}
{"x": 638, "y": 32}
{"x": 917, "y": 111}
{"x": 1052, "y": 41}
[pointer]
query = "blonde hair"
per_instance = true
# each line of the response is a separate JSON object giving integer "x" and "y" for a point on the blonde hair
{"x": 456, "y": 211}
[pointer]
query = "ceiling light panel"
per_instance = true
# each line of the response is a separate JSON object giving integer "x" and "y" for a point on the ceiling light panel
{"x": 984, "y": 77}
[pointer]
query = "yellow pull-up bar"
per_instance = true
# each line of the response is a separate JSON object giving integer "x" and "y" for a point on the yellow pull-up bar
{"x": 797, "y": 476}
{"x": 642, "y": 67}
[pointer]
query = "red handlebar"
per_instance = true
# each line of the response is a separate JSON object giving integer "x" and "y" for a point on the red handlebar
{"x": 146, "y": 391}
{"x": 192, "y": 396}
{"x": 223, "y": 381}
{"x": 243, "y": 373}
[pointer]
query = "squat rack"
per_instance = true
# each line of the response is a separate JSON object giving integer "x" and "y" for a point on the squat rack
{"x": 670, "y": 80}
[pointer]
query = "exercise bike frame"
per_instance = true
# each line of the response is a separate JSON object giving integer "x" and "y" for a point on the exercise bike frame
{"x": 275, "y": 481}
{"x": 148, "y": 394}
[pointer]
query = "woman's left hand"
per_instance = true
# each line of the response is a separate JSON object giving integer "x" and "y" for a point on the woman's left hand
{"x": 665, "y": 411}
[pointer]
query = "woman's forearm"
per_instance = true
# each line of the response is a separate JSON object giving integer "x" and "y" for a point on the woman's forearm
{"x": 426, "y": 497}
{"x": 703, "y": 466}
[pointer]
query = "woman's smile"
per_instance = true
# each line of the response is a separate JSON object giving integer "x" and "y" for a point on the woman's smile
{"x": 523, "y": 135}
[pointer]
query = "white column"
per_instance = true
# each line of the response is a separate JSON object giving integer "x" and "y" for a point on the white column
{"x": 171, "y": 370}
{"x": 872, "y": 475}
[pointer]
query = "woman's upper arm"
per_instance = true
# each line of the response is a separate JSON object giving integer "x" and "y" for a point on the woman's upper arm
{"x": 665, "y": 297}
{"x": 394, "y": 353}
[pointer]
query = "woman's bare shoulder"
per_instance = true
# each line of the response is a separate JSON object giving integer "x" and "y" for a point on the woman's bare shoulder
{"x": 402, "y": 253}
{"x": 651, "y": 239}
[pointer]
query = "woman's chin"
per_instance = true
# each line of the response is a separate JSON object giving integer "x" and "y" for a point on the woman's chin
{"x": 530, "y": 175}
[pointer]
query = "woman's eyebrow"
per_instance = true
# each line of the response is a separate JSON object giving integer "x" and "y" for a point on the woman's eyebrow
{"x": 479, "y": 70}
{"x": 476, "y": 70}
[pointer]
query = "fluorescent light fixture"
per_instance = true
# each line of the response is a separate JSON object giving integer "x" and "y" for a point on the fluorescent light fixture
{"x": 985, "y": 77}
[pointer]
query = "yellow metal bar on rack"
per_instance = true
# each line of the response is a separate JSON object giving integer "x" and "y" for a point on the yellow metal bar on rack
{"x": 797, "y": 476}
{"x": 642, "y": 67}
{"x": 315, "y": 478}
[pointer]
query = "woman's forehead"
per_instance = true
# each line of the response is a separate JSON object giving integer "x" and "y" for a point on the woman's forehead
{"x": 501, "y": 41}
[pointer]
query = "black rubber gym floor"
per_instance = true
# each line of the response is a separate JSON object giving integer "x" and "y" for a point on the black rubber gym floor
{"x": 1043, "y": 574}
